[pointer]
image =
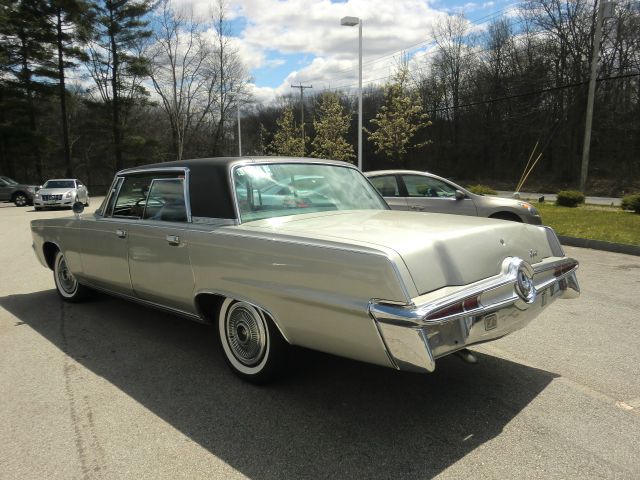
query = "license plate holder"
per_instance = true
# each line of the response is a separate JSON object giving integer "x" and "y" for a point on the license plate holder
{"x": 490, "y": 322}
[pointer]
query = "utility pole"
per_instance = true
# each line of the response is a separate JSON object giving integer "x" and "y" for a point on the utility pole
{"x": 302, "y": 87}
{"x": 605, "y": 10}
{"x": 239, "y": 129}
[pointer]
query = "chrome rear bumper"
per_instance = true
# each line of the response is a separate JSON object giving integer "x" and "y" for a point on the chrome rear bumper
{"x": 416, "y": 335}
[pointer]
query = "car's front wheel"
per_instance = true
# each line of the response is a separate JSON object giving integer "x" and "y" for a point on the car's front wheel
{"x": 252, "y": 345}
{"x": 67, "y": 284}
{"x": 20, "y": 199}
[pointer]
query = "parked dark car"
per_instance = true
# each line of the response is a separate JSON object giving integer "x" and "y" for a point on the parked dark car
{"x": 16, "y": 192}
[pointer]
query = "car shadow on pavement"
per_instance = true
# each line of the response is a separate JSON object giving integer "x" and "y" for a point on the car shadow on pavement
{"x": 330, "y": 418}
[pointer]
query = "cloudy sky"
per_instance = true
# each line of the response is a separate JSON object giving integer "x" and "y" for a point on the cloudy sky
{"x": 285, "y": 42}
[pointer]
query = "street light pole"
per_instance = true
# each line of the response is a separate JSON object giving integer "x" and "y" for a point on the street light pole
{"x": 350, "y": 22}
{"x": 604, "y": 10}
{"x": 239, "y": 129}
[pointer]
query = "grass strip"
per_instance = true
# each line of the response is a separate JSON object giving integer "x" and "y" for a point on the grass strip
{"x": 593, "y": 222}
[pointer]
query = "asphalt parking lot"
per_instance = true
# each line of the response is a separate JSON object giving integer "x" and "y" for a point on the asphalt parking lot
{"x": 109, "y": 389}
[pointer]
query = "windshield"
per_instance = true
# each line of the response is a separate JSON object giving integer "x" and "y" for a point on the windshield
{"x": 10, "y": 181}
{"x": 59, "y": 184}
{"x": 273, "y": 190}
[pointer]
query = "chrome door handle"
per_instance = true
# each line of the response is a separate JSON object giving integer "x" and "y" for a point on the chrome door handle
{"x": 121, "y": 233}
{"x": 173, "y": 239}
{"x": 416, "y": 207}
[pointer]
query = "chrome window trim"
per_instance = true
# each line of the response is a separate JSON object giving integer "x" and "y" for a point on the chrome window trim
{"x": 184, "y": 193}
{"x": 213, "y": 221}
{"x": 100, "y": 212}
{"x": 116, "y": 194}
{"x": 244, "y": 163}
{"x": 187, "y": 195}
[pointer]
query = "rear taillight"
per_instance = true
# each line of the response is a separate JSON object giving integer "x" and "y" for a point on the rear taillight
{"x": 463, "y": 306}
{"x": 564, "y": 268}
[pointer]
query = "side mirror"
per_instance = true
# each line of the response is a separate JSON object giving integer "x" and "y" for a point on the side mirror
{"x": 460, "y": 195}
{"x": 77, "y": 208}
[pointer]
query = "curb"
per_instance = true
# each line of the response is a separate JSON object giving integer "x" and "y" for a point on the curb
{"x": 600, "y": 245}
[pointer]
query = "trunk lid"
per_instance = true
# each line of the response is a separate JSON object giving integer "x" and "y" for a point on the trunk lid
{"x": 438, "y": 250}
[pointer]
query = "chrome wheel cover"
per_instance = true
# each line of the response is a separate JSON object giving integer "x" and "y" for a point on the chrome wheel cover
{"x": 245, "y": 334}
{"x": 66, "y": 281}
{"x": 20, "y": 200}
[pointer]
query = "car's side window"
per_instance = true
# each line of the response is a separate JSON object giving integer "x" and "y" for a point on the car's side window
{"x": 107, "y": 209}
{"x": 387, "y": 185}
{"x": 166, "y": 201}
{"x": 423, "y": 186}
{"x": 132, "y": 196}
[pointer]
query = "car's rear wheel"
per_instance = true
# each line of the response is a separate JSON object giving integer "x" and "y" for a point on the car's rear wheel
{"x": 67, "y": 284}
{"x": 252, "y": 346}
{"x": 20, "y": 199}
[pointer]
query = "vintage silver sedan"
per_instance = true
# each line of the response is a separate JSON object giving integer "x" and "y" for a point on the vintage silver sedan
{"x": 426, "y": 192}
{"x": 283, "y": 251}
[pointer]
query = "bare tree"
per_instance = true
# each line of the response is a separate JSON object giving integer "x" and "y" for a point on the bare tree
{"x": 452, "y": 61}
{"x": 230, "y": 72}
{"x": 182, "y": 73}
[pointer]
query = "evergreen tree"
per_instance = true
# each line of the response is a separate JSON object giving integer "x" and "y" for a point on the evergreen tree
{"x": 287, "y": 140}
{"x": 70, "y": 22}
{"x": 331, "y": 126}
{"x": 115, "y": 65}
{"x": 398, "y": 120}
{"x": 25, "y": 46}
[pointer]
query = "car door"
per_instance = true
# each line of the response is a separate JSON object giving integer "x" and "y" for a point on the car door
{"x": 104, "y": 253}
{"x": 5, "y": 190}
{"x": 388, "y": 187}
{"x": 429, "y": 194}
{"x": 159, "y": 261}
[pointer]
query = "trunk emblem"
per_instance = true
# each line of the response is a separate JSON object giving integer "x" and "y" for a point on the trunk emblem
{"x": 524, "y": 284}
{"x": 533, "y": 253}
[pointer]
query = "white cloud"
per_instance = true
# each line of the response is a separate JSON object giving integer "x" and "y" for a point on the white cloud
{"x": 312, "y": 27}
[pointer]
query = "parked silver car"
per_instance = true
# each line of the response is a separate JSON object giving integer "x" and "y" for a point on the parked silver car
{"x": 61, "y": 192}
{"x": 425, "y": 192}
{"x": 320, "y": 261}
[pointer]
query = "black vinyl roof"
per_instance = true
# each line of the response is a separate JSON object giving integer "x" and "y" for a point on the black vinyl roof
{"x": 209, "y": 180}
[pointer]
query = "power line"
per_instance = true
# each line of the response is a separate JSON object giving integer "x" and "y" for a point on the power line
{"x": 536, "y": 92}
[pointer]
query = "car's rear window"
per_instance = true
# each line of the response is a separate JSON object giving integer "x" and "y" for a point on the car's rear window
{"x": 273, "y": 190}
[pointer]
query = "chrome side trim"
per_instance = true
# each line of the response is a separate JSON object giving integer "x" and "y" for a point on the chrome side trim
{"x": 214, "y": 221}
{"x": 158, "y": 306}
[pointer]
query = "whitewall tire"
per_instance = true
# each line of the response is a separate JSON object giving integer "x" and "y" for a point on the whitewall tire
{"x": 67, "y": 285}
{"x": 252, "y": 345}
